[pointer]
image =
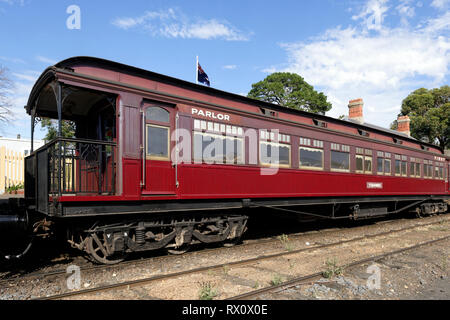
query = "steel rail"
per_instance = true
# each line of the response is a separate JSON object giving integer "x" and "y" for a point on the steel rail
{"x": 87, "y": 267}
{"x": 308, "y": 278}
{"x": 144, "y": 281}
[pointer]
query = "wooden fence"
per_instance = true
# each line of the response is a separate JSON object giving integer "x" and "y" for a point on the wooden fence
{"x": 11, "y": 168}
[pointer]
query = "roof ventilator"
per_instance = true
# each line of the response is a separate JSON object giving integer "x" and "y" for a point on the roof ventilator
{"x": 320, "y": 123}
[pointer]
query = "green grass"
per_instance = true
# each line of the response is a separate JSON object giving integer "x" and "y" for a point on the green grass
{"x": 284, "y": 239}
{"x": 206, "y": 291}
{"x": 226, "y": 269}
{"x": 332, "y": 269}
{"x": 276, "y": 280}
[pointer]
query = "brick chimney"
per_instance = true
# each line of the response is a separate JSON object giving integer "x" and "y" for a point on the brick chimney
{"x": 403, "y": 125}
{"x": 355, "y": 110}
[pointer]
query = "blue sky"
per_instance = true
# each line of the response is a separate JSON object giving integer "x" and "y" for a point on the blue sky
{"x": 378, "y": 50}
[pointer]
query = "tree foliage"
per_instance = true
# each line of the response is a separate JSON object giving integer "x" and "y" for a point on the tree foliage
{"x": 5, "y": 103}
{"x": 429, "y": 111}
{"x": 68, "y": 128}
{"x": 290, "y": 90}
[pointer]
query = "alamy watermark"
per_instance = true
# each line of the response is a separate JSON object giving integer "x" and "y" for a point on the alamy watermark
{"x": 73, "y": 22}
{"x": 216, "y": 148}
{"x": 74, "y": 280}
{"x": 374, "y": 281}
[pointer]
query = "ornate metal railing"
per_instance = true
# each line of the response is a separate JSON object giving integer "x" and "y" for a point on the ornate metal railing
{"x": 80, "y": 166}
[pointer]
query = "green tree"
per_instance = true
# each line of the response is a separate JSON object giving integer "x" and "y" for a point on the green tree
{"x": 68, "y": 128}
{"x": 290, "y": 90}
{"x": 5, "y": 102}
{"x": 429, "y": 111}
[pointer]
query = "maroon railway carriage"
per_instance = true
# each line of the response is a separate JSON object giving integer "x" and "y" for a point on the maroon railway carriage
{"x": 160, "y": 162}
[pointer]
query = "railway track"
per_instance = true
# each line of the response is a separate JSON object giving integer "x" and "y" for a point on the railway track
{"x": 153, "y": 259}
{"x": 316, "y": 276}
{"x": 250, "y": 261}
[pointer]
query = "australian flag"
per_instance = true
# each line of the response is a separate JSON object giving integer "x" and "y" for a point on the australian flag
{"x": 202, "y": 76}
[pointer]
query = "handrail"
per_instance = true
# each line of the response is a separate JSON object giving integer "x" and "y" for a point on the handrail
{"x": 81, "y": 166}
{"x": 54, "y": 141}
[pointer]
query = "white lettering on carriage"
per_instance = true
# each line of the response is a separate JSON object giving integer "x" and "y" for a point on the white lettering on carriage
{"x": 210, "y": 114}
{"x": 374, "y": 185}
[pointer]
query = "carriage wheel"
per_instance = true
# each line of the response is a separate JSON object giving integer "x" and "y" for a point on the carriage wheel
{"x": 97, "y": 251}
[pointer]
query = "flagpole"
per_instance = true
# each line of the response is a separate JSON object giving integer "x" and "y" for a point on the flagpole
{"x": 196, "y": 72}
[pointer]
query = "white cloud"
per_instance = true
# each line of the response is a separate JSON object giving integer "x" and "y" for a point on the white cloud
{"x": 230, "y": 67}
{"x": 13, "y": 60}
{"x": 440, "y": 4}
{"x": 438, "y": 24}
{"x": 406, "y": 11}
{"x": 381, "y": 66}
{"x": 46, "y": 60}
{"x": 27, "y": 76}
{"x": 17, "y": 97}
{"x": 172, "y": 23}
{"x": 22, "y": 85}
{"x": 11, "y": 2}
{"x": 373, "y": 14}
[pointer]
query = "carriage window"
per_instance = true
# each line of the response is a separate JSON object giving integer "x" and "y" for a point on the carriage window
{"x": 368, "y": 164}
{"x": 436, "y": 173}
{"x": 404, "y": 168}
{"x": 430, "y": 171}
{"x": 212, "y": 148}
{"x": 311, "y": 158}
{"x": 359, "y": 163}
{"x": 157, "y": 142}
{"x": 363, "y": 164}
{"x": 417, "y": 170}
{"x": 340, "y": 161}
{"x": 387, "y": 166}
{"x": 411, "y": 169}
{"x": 269, "y": 152}
{"x": 441, "y": 173}
{"x": 380, "y": 162}
{"x": 398, "y": 167}
{"x": 157, "y": 114}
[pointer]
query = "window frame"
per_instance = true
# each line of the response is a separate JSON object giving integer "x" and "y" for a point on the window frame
{"x": 147, "y": 155}
{"x": 364, "y": 154}
{"x": 390, "y": 167}
{"x": 308, "y": 167}
{"x": 367, "y": 157}
{"x": 147, "y": 119}
{"x": 359, "y": 156}
{"x": 418, "y": 165}
{"x": 404, "y": 165}
{"x": 382, "y": 166}
{"x": 399, "y": 174}
{"x": 215, "y": 135}
{"x": 264, "y": 164}
{"x": 336, "y": 169}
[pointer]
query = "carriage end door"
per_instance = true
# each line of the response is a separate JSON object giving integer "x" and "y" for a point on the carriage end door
{"x": 158, "y": 171}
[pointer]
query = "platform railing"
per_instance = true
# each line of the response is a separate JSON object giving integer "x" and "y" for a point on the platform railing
{"x": 81, "y": 166}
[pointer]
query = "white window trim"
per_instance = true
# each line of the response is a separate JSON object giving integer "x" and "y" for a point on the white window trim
{"x": 309, "y": 167}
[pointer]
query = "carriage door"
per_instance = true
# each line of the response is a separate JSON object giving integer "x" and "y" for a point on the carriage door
{"x": 158, "y": 172}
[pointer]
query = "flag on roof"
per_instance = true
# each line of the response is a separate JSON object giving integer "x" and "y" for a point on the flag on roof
{"x": 202, "y": 76}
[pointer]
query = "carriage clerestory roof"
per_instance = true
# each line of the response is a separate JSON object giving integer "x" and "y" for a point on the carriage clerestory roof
{"x": 69, "y": 64}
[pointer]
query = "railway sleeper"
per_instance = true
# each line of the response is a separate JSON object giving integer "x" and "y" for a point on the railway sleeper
{"x": 109, "y": 244}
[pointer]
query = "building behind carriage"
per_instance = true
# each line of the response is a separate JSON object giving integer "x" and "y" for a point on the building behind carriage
{"x": 12, "y": 154}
